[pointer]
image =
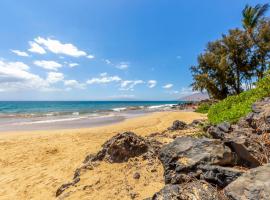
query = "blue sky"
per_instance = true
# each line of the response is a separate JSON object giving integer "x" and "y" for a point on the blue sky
{"x": 105, "y": 49}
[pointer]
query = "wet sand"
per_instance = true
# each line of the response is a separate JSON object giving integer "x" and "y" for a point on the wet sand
{"x": 33, "y": 164}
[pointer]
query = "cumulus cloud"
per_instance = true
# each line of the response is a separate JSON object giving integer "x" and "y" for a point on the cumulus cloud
{"x": 122, "y": 65}
{"x": 54, "y": 77}
{"x": 55, "y": 46}
{"x": 73, "y": 65}
{"x": 48, "y": 64}
{"x": 107, "y": 61}
{"x": 130, "y": 84}
{"x": 16, "y": 75}
{"x": 152, "y": 83}
{"x": 168, "y": 86}
{"x": 90, "y": 56}
{"x": 36, "y": 48}
{"x": 74, "y": 84}
{"x": 20, "y": 53}
{"x": 103, "y": 79}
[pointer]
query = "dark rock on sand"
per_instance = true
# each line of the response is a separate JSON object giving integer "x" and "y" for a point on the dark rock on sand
{"x": 196, "y": 123}
{"x": 177, "y": 125}
{"x": 195, "y": 190}
{"x": 136, "y": 175}
{"x": 122, "y": 147}
{"x": 181, "y": 157}
{"x": 253, "y": 185}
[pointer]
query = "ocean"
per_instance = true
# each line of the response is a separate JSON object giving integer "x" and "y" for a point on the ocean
{"x": 37, "y": 115}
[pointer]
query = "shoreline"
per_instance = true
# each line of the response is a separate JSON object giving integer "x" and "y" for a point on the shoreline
{"x": 33, "y": 164}
{"x": 82, "y": 122}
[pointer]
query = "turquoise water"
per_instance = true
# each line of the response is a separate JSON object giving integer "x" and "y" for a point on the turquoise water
{"x": 77, "y": 107}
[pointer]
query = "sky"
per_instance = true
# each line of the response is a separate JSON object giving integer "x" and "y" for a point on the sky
{"x": 107, "y": 49}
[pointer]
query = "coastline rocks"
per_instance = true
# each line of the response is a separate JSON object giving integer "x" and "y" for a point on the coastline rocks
{"x": 195, "y": 190}
{"x": 252, "y": 185}
{"x": 177, "y": 125}
{"x": 122, "y": 147}
{"x": 182, "y": 157}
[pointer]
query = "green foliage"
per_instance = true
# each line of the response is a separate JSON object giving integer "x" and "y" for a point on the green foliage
{"x": 234, "y": 107}
{"x": 203, "y": 108}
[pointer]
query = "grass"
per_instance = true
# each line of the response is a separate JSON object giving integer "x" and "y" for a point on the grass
{"x": 234, "y": 107}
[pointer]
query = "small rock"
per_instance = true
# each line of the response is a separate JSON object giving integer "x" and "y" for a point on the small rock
{"x": 225, "y": 127}
{"x": 137, "y": 175}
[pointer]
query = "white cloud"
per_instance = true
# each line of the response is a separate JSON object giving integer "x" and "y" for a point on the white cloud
{"x": 16, "y": 75}
{"x": 152, "y": 83}
{"x": 73, "y": 65}
{"x": 130, "y": 84}
{"x": 179, "y": 57}
{"x": 168, "y": 86}
{"x": 57, "y": 47}
{"x": 35, "y": 48}
{"x": 122, "y": 65}
{"x": 90, "y": 56}
{"x": 20, "y": 53}
{"x": 107, "y": 61}
{"x": 48, "y": 64}
{"x": 54, "y": 77}
{"x": 74, "y": 84}
{"x": 103, "y": 79}
{"x": 104, "y": 74}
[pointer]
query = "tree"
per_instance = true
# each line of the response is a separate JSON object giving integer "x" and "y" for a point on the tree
{"x": 225, "y": 65}
{"x": 252, "y": 16}
{"x": 256, "y": 27}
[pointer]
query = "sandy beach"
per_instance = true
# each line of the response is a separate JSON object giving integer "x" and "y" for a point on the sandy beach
{"x": 33, "y": 164}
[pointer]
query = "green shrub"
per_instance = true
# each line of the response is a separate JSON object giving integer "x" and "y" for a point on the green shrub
{"x": 203, "y": 108}
{"x": 234, "y": 107}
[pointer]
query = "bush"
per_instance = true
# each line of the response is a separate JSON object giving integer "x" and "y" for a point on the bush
{"x": 234, "y": 107}
{"x": 203, "y": 108}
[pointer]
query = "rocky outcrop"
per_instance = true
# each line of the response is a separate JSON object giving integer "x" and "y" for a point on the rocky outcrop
{"x": 249, "y": 138}
{"x": 122, "y": 147}
{"x": 195, "y": 190}
{"x": 118, "y": 149}
{"x": 253, "y": 185}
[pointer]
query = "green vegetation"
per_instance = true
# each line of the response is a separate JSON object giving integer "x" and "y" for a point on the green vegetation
{"x": 203, "y": 108}
{"x": 232, "y": 63}
{"x": 234, "y": 107}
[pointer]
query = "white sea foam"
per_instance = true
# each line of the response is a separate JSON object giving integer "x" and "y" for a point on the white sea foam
{"x": 119, "y": 109}
{"x": 50, "y": 121}
{"x": 158, "y": 107}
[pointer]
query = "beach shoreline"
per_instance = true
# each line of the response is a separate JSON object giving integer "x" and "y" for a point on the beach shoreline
{"x": 33, "y": 164}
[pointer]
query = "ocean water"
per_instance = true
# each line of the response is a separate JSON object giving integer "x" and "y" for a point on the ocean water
{"x": 75, "y": 107}
{"x": 43, "y": 115}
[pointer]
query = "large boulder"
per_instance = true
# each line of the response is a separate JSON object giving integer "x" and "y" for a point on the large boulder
{"x": 182, "y": 157}
{"x": 122, "y": 147}
{"x": 195, "y": 190}
{"x": 253, "y": 185}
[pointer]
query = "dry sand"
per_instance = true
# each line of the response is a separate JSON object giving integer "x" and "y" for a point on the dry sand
{"x": 34, "y": 164}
